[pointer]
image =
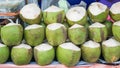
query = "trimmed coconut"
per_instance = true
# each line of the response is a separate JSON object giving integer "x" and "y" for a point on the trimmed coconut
{"x": 98, "y": 32}
{"x": 97, "y": 8}
{"x": 53, "y": 9}
{"x": 55, "y": 26}
{"x": 111, "y": 50}
{"x": 97, "y": 24}
{"x": 75, "y": 26}
{"x": 44, "y": 54}
{"x": 117, "y": 23}
{"x": 91, "y": 44}
{"x": 111, "y": 43}
{"x": 70, "y": 46}
{"x": 30, "y": 11}
{"x": 23, "y": 46}
{"x": 34, "y": 26}
{"x": 115, "y": 8}
{"x": 53, "y": 14}
{"x": 43, "y": 47}
{"x": 76, "y": 13}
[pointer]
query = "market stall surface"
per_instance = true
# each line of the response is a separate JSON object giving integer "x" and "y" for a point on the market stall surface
{"x": 56, "y": 64}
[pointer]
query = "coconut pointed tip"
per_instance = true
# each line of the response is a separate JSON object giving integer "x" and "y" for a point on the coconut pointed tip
{"x": 43, "y": 47}
{"x": 23, "y": 46}
{"x": 53, "y": 9}
{"x": 70, "y": 46}
{"x": 34, "y": 26}
{"x": 55, "y": 26}
{"x": 111, "y": 43}
{"x": 97, "y": 24}
{"x": 91, "y": 44}
{"x": 76, "y": 26}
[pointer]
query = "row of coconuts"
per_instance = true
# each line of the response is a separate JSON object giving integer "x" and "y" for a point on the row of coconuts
{"x": 88, "y": 42}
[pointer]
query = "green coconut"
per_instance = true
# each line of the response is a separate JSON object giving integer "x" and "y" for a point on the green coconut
{"x": 53, "y": 14}
{"x": 56, "y": 34}
{"x": 111, "y": 50}
{"x": 115, "y": 11}
{"x": 4, "y": 53}
{"x": 11, "y": 34}
{"x": 34, "y": 34}
{"x": 98, "y": 12}
{"x": 31, "y": 14}
{"x": 68, "y": 54}
{"x": 44, "y": 54}
{"x": 90, "y": 51}
{"x": 76, "y": 15}
{"x": 108, "y": 24}
{"x": 116, "y": 30}
{"x": 21, "y": 54}
{"x": 98, "y": 32}
{"x": 77, "y": 34}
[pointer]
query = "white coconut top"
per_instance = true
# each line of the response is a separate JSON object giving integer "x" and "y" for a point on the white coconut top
{"x": 23, "y": 46}
{"x": 117, "y": 23}
{"x": 97, "y": 24}
{"x": 111, "y": 43}
{"x": 43, "y": 47}
{"x": 2, "y": 45}
{"x": 34, "y": 26}
{"x": 75, "y": 26}
{"x": 96, "y": 8}
{"x": 115, "y": 8}
{"x": 76, "y": 13}
{"x": 55, "y": 26}
{"x": 30, "y": 11}
{"x": 70, "y": 46}
{"x": 91, "y": 44}
{"x": 11, "y": 24}
{"x": 53, "y": 9}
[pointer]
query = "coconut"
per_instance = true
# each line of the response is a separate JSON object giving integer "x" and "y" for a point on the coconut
{"x": 111, "y": 50}
{"x": 68, "y": 54}
{"x": 76, "y": 15}
{"x": 115, "y": 11}
{"x": 56, "y": 34}
{"x": 91, "y": 51}
{"x": 44, "y": 54}
{"x": 53, "y": 14}
{"x": 4, "y": 53}
{"x": 98, "y": 32}
{"x": 108, "y": 24}
{"x": 11, "y": 34}
{"x": 77, "y": 34}
{"x": 116, "y": 30}
{"x": 34, "y": 34}
{"x": 31, "y": 14}
{"x": 21, "y": 54}
{"x": 98, "y": 12}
